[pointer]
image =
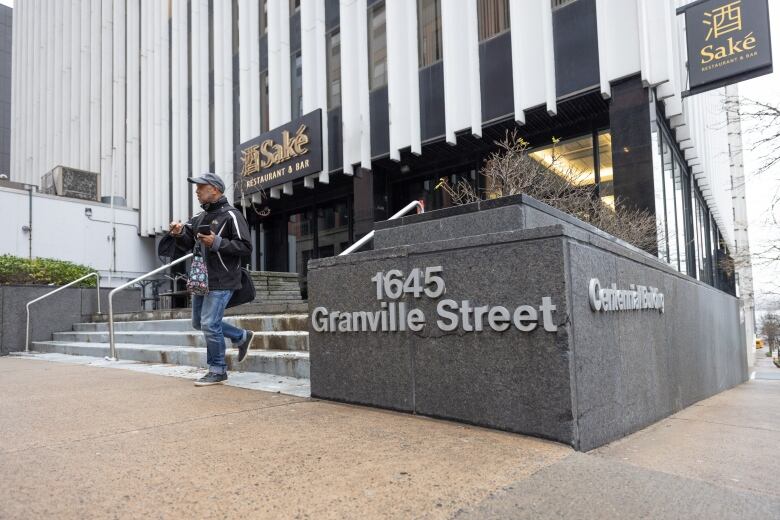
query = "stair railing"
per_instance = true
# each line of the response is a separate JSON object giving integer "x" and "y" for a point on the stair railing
{"x": 369, "y": 236}
{"x": 27, "y": 334}
{"x": 112, "y": 345}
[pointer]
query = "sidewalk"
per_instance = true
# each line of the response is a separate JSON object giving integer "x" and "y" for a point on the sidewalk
{"x": 85, "y": 442}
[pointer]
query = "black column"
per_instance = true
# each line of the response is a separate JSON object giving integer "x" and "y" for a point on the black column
{"x": 370, "y": 200}
{"x": 632, "y": 150}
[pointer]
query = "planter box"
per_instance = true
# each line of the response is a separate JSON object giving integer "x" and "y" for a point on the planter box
{"x": 57, "y": 313}
{"x": 529, "y": 334}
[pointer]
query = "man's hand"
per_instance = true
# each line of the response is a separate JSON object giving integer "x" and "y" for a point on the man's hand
{"x": 206, "y": 240}
{"x": 174, "y": 228}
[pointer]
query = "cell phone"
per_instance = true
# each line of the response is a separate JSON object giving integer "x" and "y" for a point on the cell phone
{"x": 204, "y": 229}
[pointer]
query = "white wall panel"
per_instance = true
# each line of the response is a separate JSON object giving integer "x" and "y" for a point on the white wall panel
{"x": 533, "y": 65}
{"x": 156, "y": 180}
{"x": 67, "y": 25}
{"x": 84, "y": 63}
{"x": 200, "y": 92}
{"x": 36, "y": 132}
{"x": 254, "y": 67}
{"x": 223, "y": 95}
{"x": 59, "y": 72}
{"x": 279, "y": 100}
{"x": 16, "y": 40}
{"x": 460, "y": 51}
{"x": 133, "y": 113}
{"x": 147, "y": 116}
{"x": 165, "y": 117}
{"x": 314, "y": 74}
{"x": 179, "y": 111}
{"x": 119, "y": 94}
{"x": 106, "y": 98}
{"x": 244, "y": 44}
{"x": 403, "y": 78}
{"x": 356, "y": 128}
{"x": 618, "y": 41}
{"x": 654, "y": 17}
{"x": 95, "y": 42}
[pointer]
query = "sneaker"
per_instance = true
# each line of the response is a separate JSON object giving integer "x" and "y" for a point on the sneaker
{"x": 211, "y": 379}
{"x": 243, "y": 347}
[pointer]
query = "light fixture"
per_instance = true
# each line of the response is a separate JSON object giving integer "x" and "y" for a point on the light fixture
{"x": 88, "y": 212}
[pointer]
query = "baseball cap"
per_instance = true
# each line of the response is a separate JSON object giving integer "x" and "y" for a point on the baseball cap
{"x": 208, "y": 178}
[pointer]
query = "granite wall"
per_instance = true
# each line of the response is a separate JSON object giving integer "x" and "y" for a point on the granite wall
{"x": 57, "y": 313}
{"x": 586, "y": 379}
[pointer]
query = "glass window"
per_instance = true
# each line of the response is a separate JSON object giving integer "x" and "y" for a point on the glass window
{"x": 294, "y": 6}
{"x": 332, "y": 228}
{"x": 377, "y": 47}
{"x": 429, "y": 25}
{"x": 572, "y": 159}
{"x": 297, "y": 86}
{"x": 300, "y": 241}
{"x": 660, "y": 200}
{"x": 701, "y": 238}
{"x": 606, "y": 187}
{"x": 493, "y": 17}
{"x": 680, "y": 191}
{"x": 334, "y": 69}
{"x": 264, "y": 101}
{"x": 560, "y": 3}
{"x": 263, "y": 17}
{"x": 673, "y": 240}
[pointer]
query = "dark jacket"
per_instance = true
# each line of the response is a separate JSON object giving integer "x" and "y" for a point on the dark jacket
{"x": 223, "y": 258}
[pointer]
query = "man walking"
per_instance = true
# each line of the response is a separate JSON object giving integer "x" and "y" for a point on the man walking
{"x": 223, "y": 237}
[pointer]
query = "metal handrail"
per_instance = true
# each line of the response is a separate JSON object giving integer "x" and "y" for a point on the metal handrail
{"x": 403, "y": 211}
{"x": 112, "y": 347}
{"x": 27, "y": 335}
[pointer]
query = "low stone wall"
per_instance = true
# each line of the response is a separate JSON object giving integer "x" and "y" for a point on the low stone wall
{"x": 526, "y": 333}
{"x": 57, "y": 313}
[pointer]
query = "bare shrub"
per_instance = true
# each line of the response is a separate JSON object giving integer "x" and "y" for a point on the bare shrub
{"x": 511, "y": 171}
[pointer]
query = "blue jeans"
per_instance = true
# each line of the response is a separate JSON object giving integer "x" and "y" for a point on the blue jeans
{"x": 207, "y": 313}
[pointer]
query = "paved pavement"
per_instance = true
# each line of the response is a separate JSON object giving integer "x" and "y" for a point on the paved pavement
{"x": 87, "y": 442}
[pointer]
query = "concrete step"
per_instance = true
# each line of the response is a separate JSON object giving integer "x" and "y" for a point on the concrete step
{"x": 275, "y": 340}
{"x": 274, "y": 307}
{"x": 257, "y": 323}
{"x": 288, "y": 364}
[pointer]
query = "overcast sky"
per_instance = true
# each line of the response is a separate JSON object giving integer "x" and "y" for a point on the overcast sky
{"x": 760, "y": 189}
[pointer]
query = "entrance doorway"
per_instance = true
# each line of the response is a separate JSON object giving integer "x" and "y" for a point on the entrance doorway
{"x": 289, "y": 238}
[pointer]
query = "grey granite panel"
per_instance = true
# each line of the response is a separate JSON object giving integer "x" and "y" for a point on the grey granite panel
{"x": 365, "y": 367}
{"x": 633, "y": 368}
{"x": 57, "y": 313}
{"x": 508, "y": 218}
{"x": 597, "y": 378}
{"x": 512, "y": 380}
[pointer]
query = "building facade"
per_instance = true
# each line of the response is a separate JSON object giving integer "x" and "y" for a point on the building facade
{"x": 150, "y": 92}
{"x": 6, "y": 23}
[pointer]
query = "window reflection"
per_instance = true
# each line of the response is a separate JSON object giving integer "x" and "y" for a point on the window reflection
{"x": 572, "y": 159}
{"x": 264, "y": 101}
{"x": 300, "y": 241}
{"x": 297, "y": 86}
{"x": 680, "y": 179}
{"x": 429, "y": 22}
{"x": 660, "y": 201}
{"x": 333, "y": 58}
{"x": 606, "y": 186}
{"x": 493, "y": 17}
{"x": 332, "y": 229}
{"x": 377, "y": 47}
